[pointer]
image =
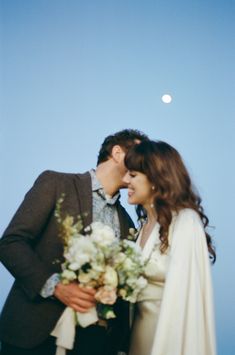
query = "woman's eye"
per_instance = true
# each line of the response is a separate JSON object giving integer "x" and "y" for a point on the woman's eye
{"x": 132, "y": 175}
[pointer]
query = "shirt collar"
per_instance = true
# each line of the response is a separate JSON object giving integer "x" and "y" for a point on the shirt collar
{"x": 96, "y": 186}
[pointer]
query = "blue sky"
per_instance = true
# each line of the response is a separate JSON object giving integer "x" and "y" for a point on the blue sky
{"x": 73, "y": 72}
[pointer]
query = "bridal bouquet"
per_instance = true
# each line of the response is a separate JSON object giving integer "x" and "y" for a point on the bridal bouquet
{"x": 96, "y": 258}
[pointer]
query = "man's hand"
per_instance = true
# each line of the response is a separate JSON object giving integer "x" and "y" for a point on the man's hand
{"x": 80, "y": 298}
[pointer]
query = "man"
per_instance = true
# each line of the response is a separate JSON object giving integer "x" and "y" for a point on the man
{"x": 30, "y": 249}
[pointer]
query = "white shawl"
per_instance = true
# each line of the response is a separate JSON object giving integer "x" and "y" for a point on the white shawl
{"x": 186, "y": 319}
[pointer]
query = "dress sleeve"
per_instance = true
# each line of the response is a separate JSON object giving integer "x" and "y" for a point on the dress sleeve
{"x": 186, "y": 320}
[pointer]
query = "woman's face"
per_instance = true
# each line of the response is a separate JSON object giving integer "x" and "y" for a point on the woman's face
{"x": 139, "y": 188}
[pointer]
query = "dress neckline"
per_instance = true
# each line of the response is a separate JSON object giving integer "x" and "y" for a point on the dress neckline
{"x": 151, "y": 241}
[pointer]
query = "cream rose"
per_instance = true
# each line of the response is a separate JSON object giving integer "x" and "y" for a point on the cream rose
{"x": 106, "y": 296}
{"x": 110, "y": 277}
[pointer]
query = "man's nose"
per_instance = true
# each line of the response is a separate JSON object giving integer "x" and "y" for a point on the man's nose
{"x": 126, "y": 178}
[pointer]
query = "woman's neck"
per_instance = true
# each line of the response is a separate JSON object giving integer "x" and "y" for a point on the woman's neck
{"x": 148, "y": 225}
{"x": 151, "y": 213}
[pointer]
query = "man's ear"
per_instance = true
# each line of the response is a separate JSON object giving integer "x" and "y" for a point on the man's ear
{"x": 117, "y": 153}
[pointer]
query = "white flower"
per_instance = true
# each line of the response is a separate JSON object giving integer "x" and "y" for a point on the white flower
{"x": 128, "y": 264}
{"x": 129, "y": 243}
{"x": 87, "y": 277}
{"x": 81, "y": 251}
{"x": 98, "y": 268}
{"x": 131, "y": 281}
{"x": 102, "y": 234}
{"x": 106, "y": 295}
{"x": 141, "y": 282}
{"x": 131, "y": 298}
{"x": 69, "y": 275}
{"x": 110, "y": 314}
{"x": 74, "y": 266}
{"x": 119, "y": 258}
{"x": 110, "y": 277}
{"x": 132, "y": 231}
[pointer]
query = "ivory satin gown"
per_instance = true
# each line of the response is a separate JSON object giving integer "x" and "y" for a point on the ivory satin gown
{"x": 174, "y": 313}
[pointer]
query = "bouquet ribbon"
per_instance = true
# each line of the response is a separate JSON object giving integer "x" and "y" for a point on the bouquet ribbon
{"x": 65, "y": 328}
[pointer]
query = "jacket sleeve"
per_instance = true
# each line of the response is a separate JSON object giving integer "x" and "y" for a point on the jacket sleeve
{"x": 186, "y": 320}
{"x": 24, "y": 231}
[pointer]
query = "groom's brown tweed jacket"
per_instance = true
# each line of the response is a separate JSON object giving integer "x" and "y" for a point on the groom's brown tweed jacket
{"x": 32, "y": 251}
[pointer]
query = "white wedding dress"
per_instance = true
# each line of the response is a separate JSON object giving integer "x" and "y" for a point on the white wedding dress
{"x": 174, "y": 314}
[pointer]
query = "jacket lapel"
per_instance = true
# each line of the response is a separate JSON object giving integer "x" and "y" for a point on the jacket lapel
{"x": 125, "y": 223}
{"x": 84, "y": 194}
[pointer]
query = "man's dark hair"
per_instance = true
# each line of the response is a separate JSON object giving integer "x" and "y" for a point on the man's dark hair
{"x": 125, "y": 138}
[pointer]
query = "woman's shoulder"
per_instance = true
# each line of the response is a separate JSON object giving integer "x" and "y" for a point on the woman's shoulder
{"x": 187, "y": 228}
{"x": 187, "y": 217}
{"x": 188, "y": 213}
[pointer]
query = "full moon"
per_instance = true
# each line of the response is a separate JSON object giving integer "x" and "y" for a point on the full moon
{"x": 166, "y": 98}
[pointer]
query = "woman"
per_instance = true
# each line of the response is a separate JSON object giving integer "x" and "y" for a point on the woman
{"x": 174, "y": 314}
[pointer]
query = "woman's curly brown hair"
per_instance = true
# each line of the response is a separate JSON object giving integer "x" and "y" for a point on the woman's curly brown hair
{"x": 164, "y": 168}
